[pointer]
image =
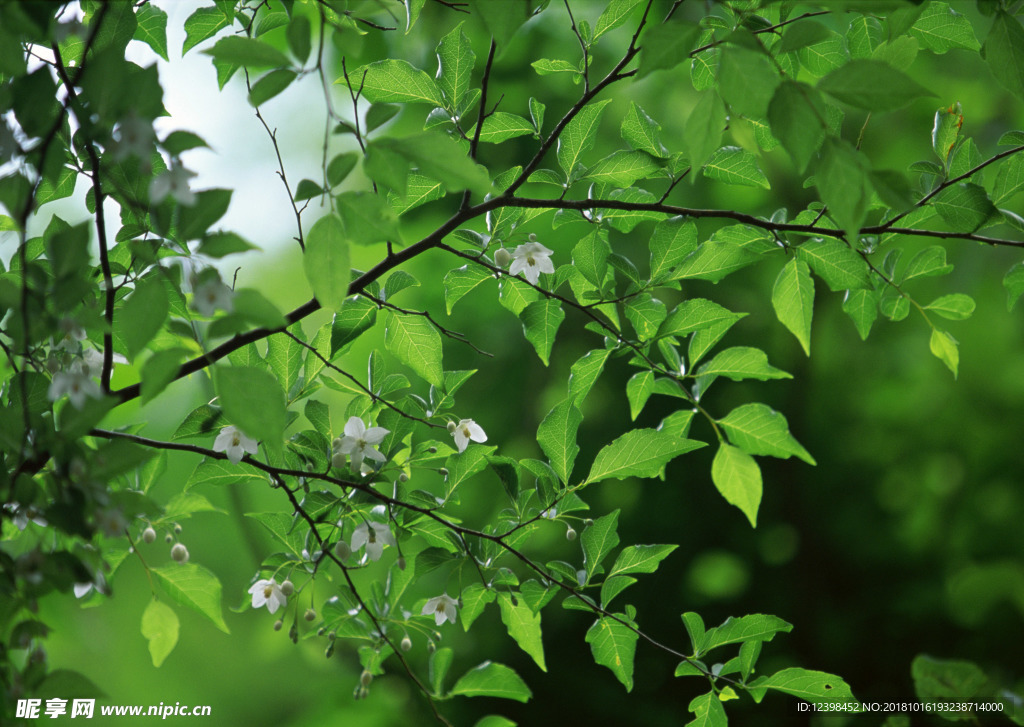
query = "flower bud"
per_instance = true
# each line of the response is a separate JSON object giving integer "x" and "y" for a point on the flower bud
{"x": 329, "y": 651}
{"x": 401, "y": 562}
{"x": 293, "y": 634}
{"x": 588, "y": 522}
{"x": 149, "y": 535}
{"x": 309, "y": 615}
{"x": 278, "y": 625}
{"x": 341, "y": 550}
{"x": 443, "y": 471}
{"x": 406, "y": 644}
{"x": 177, "y": 529}
{"x": 338, "y": 461}
{"x": 452, "y": 427}
{"x": 403, "y": 477}
{"x": 365, "y": 678}
{"x": 180, "y": 553}
{"x": 336, "y": 444}
{"x": 287, "y": 588}
{"x": 321, "y": 631}
{"x": 533, "y": 237}
{"x": 168, "y": 538}
{"x": 502, "y": 257}
{"x": 570, "y": 534}
{"x": 432, "y": 450}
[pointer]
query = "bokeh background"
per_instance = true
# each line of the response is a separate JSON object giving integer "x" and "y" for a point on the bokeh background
{"x": 906, "y": 537}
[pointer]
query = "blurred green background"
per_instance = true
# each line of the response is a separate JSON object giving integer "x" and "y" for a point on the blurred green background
{"x": 905, "y": 539}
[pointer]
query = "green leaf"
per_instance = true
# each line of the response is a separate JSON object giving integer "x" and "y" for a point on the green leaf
{"x": 418, "y": 191}
{"x": 837, "y": 264}
{"x": 439, "y": 663}
{"x": 638, "y": 390}
{"x": 738, "y": 478}
{"x": 704, "y": 127}
{"x": 523, "y": 625}
{"x": 864, "y": 35}
{"x": 271, "y": 85}
{"x": 613, "y": 645}
{"x": 843, "y": 185}
{"x": 734, "y": 165}
{"x": 707, "y": 711}
{"x": 255, "y": 308}
{"x": 298, "y": 33}
{"x": 641, "y": 132}
{"x": 578, "y": 135}
{"x": 946, "y": 681}
{"x": 742, "y": 362}
{"x": 793, "y": 300}
{"x": 697, "y": 314}
{"x": 623, "y": 168}
{"x": 1013, "y": 281}
{"x": 340, "y": 167}
{"x": 247, "y": 52}
{"x": 1009, "y": 180}
{"x": 590, "y": 257}
{"x": 797, "y": 118}
{"x": 801, "y": 35}
{"x": 192, "y": 585}
{"x": 556, "y": 436}
{"x": 160, "y": 627}
{"x": 944, "y": 347}
{"x": 541, "y": 320}
{"x": 222, "y": 244}
{"x": 871, "y": 85}
{"x": 491, "y": 679}
{"x": 395, "y": 81}
{"x": 825, "y": 56}
{"x": 862, "y": 307}
{"x": 501, "y": 126}
{"x": 759, "y": 429}
{"x": 159, "y": 371}
{"x": 326, "y": 262}
{"x": 152, "y": 30}
{"x": 940, "y": 28}
{"x": 475, "y": 598}
{"x": 1004, "y": 52}
{"x": 598, "y": 540}
{"x": 203, "y": 421}
{"x": 584, "y": 373}
{"x": 815, "y": 687}
{"x": 955, "y": 307}
{"x": 202, "y": 25}
{"x": 356, "y": 316}
{"x": 747, "y": 80}
{"x": 143, "y": 315}
{"x": 460, "y": 281}
{"x": 548, "y": 66}
{"x": 252, "y": 399}
{"x": 673, "y": 239}
{"x": 221, "y": 473}
{"x": 965, "y": 206}
{"x": 646, "y": 314}
{"x": 210, "y": 206}
{"x": 666, "y": 45}
{"x": 713, "y": 260}
{"x": 416, "y": 343}
{"x": 455, "y": 61}
{"x": 756, "y": 627}
{"x": 367, "y": 218}
{"x": 438, "y": 157}
{"x": 930, "y": 262}
{"x": 639, "y": 453}
{"x": 615, "y": 15}
{"x": 640, "y": 559}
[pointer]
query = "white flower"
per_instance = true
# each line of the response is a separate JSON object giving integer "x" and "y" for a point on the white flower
{"x": 92, "y": 361}
{"x": 173, "y": 182}
{"x": 359, "y": 442}
{"x": 211, "y": 295}
{"x": 83, "y": 589}
{"x": 374, "y": 536}
{"x": 531, "y": 259}
{"x": 442, "y": 608}
{"x": 268, "y": 593}
{"x": 234, "y": 444}
{"x": 77, "y": 385}
{"x": 135, "y": 138}
{"x": 73, "y": 334}
{"x": 466, "y": 430}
